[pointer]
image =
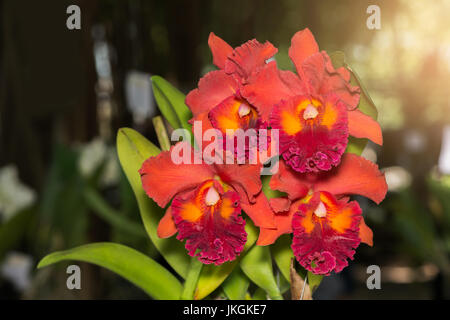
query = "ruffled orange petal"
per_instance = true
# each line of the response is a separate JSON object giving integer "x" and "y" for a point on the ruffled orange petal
{"x": 280, "y": 205}
{"x": 248, "y": 58}
{"x": 363, "y": 126}
{"x": 212, "y": 89}
{"x": 286, "y": 180}
{"x": 283, "y": 221}
{"x": 344, "y": 73}
{"x": 303, "y": 45}
{"x": 245, "y": 179}
{"x": 324, "y": 79}
{"x": 355, "y": 175}
{"x": 162, "y": 179}
{"x": 266, "y": 88}
{"x": 259, "y": 211}
{"x": 219, "y": 49}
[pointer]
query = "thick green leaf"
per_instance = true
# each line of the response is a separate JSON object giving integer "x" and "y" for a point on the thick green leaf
{"x": 356, "y": 145}
{"x": 260, "y": 294}
{"x": 283, "y": 284}
{"x": 257, "y": 266}
{"x": 265, "y": 180}
{"x": 282, "y": 254}
{"x": 133, "y": 149}
{"x": 134, "y": 266}
{"x": 213, "y": 276}
{"x": 366, "y": 105}
{"x": 236, "y": 285}
{"x": 314, "y": 280}
{"x": 171, "y": 103}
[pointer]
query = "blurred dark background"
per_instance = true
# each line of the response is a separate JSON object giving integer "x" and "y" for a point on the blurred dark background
{"x": 64, "y": 93}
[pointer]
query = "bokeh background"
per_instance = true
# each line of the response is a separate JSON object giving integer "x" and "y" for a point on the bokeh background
{"x": 64, "y": 93}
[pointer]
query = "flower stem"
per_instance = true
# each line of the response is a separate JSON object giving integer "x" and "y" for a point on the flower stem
{"x": 191, "y": 280}
{"x": 161, "y": 133}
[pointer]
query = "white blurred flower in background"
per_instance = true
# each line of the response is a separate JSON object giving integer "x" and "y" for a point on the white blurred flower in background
{"x": 444, "y": 157}
{"x": 16, "y": 268}
{"x": 14, "y": 195}
{"x": 397, "y": 178}
{"x": 97, "y": 153}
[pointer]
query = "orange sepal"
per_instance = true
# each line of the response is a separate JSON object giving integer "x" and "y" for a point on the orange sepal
{"x": 365, "y": 233}
{"x": 219, "y": 49}
{"x": 361, "y": 125}
{"x": 303, "y": 45}
{"x": 166, "y": 226}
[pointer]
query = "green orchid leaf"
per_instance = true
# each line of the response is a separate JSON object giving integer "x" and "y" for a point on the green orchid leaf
{"x": 171, "y": 103}
{"x": 356, "y": 145}
{"x": 283, "y": 284}
{"x": 282, "y": 254}
{"x": 236, "y": 285}
{"x": 314, "y": 281}
{"x": 265, "y": 180}
{"x": 213, "y": 276}
{"x": 257, "y": 266}
{"x": 133, "y": 149}
{"x": 366, "y": 104}
{"x": 259, "y": 294}
{"x": 134, "y": 266}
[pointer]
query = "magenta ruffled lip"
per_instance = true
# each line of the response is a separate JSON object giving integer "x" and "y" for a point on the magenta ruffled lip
{"x": 315, "y": 148}
{"x": 324, "y": 250}
{"x": 212, "y": 238}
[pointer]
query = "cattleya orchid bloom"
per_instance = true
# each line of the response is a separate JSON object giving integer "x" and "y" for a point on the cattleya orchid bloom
{"x": 314, "y": 110}
{"x": 327, "y": 227}
{"x": 206, "y": 203}
{"x": 218, "y": 102}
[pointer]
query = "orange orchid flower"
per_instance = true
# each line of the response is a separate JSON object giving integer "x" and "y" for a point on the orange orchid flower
{"x": 315, "y": 109}
{"x": 327, "y": 227}
{"x": 206, "y": 204}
